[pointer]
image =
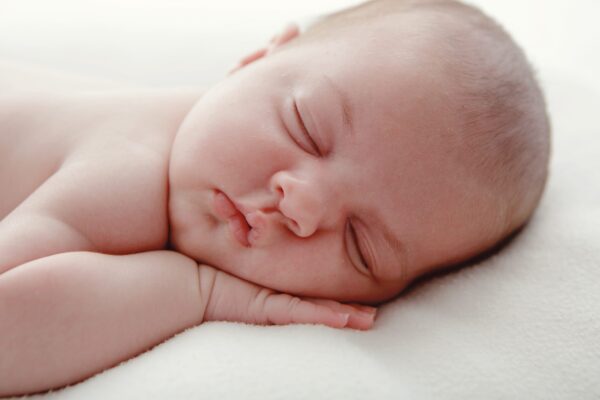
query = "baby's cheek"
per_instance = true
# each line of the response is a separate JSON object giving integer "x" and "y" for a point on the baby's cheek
{"x": 289, "y": 266}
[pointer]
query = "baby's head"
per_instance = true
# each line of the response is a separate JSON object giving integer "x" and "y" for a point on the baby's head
{"x": 388, "y": 141}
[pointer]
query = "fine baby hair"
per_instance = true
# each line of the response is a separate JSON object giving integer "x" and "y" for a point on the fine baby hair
{"x": 504, "y": 129}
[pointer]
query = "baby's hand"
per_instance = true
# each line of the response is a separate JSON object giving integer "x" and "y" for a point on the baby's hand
{"x": 234, "y": 299}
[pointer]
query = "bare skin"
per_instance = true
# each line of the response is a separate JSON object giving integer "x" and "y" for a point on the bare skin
{"x": 84, "y": 230}
{"x": 313, "y": 178}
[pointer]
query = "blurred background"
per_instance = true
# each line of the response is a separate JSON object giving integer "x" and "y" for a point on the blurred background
{"x": 181, "y": 42}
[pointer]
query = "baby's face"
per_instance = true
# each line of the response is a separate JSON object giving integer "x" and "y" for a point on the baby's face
{"x": 336, "y": 156}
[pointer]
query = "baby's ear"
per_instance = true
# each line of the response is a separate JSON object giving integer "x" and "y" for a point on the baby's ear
{"x": 288, "y": 33}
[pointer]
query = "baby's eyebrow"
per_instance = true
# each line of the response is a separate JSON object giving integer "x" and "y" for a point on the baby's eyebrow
{"x": 347, "y": 122}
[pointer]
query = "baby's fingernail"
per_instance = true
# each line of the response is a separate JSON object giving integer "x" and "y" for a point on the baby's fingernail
{"x": 367, "y": 309}
{"x": 361, "y": 320}
{"x": 367, "y": 315}
{"x": 345, "y": 318}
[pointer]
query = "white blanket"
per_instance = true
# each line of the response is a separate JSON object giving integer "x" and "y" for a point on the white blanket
{"x": 524, "y": 323}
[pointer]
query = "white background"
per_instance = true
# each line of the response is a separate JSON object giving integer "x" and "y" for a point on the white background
{"x": 161, "y": 42}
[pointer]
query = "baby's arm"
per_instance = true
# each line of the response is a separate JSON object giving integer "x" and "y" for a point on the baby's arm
{"x": 68, "y": 316}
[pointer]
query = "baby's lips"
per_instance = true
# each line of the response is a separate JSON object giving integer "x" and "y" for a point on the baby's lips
{"x": 256, "y": 224}
{"x": 254, "y": 220}
{"x": 264, "y": 227}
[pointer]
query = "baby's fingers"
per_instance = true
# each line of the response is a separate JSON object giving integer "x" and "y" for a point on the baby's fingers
{"x": 361, "y": 317}
{"x": 282, "y": 309}
{"x": 285, "y": 309}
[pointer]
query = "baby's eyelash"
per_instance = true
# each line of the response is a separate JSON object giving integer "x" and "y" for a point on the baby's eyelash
{"x": 311, "y": 142}
{"x": 356, "y": 246}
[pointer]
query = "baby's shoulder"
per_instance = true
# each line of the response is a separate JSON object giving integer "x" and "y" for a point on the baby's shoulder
{"x": 98, "y": 165}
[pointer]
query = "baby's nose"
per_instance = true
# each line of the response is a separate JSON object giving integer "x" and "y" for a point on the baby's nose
{"x": 302, "y": 215}
{"x": 302, "y": 204}
{"x": 267, "y": 227}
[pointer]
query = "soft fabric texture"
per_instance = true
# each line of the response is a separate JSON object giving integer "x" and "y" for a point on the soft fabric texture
{"x": 523, "y": 323}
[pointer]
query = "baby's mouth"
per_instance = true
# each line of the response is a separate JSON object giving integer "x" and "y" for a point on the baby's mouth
{"x": 238, "y": 225}
{"x": 256, "y": 223}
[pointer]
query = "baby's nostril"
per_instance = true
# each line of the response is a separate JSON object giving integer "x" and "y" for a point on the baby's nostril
{"x": 294, "y": 226}
{"x": 280, "y": 192}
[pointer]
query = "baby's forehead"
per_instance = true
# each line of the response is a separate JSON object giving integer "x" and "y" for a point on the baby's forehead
{"x": 412, "y": 106}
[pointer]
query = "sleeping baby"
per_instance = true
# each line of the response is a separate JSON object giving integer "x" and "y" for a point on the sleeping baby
{"x": 326, "y": 173}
